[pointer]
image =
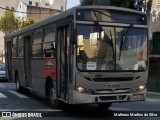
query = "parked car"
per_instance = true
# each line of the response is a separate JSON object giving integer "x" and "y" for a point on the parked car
{"x": 3, "y": 76}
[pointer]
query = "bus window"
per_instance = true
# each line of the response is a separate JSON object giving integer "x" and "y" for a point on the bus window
{"x": 14, "y": 47}
{"x": 14, "y": 43}
{"x": 36, "y": 47}
{"x": 49, "y": 42}
{"x": 20, "y": 45}
{"x": 37, "y": 36}
{"x": 36, "y": 50}
{"x": 49, "y": 50}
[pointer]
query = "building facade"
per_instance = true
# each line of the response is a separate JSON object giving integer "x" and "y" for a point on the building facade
{"x": 39, "y": 9}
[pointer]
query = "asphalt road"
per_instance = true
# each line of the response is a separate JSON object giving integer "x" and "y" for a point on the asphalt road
{"x": 14, "y": 103}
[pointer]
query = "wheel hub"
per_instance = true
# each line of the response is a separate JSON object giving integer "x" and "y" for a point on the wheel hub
{"x": 53, "y": 97}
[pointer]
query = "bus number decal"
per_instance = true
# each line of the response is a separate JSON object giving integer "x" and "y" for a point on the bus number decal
{"x": 91, "y": 65}
{"x": 50, "y": 68}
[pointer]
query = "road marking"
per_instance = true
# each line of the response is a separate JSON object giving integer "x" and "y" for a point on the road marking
{"x": 18, "y": 94}
{"x": 119, "y": 109}
{"x": 3, "y": 96}
{"x": 152, "y": 100}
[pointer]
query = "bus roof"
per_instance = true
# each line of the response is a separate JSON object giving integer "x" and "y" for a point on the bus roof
{"x": 65, "y": 14}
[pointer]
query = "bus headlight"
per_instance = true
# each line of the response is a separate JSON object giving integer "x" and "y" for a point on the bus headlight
{"x": 80, "y": 89}
{"x": 139, "y": 88}
{"x": 142, "y": 87}
{"x": 83, "y": 90}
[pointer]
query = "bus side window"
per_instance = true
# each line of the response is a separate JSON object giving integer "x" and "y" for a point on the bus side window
{"x": 49, "y": 50}
{"x": 49, "y": 42}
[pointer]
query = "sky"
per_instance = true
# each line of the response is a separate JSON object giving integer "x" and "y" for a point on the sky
{"x": 72, "y": 3}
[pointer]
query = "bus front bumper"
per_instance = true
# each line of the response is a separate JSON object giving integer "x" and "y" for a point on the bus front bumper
{"x": 81, "y": 98}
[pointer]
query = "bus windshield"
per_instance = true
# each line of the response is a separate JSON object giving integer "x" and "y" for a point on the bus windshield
{"x": 102, "y": 48}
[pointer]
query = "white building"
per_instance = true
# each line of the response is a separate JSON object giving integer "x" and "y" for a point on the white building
{"x": 50, "y": 7}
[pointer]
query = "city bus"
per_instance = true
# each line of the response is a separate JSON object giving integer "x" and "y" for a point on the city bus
{"x": 84, "y": 55}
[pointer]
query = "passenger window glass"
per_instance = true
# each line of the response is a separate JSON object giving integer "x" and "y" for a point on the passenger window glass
{"x": 38, "y": 36}
{"x": 49, "y": 42}
{"x": 20, "y": 51}
{"x": 20, "y": 41}
{"x": 49, "y": 49}
{"x": 36, "y": 50}
{"x": 49, "y": 34}
{"x": 14, "y": 51}
{"x": 14, "y": 41}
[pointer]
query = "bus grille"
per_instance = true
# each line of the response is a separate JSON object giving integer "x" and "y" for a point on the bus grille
{"x": 110, "y": 91}
{"x": 113, "y": 79}
{"x": 104, "y": 98}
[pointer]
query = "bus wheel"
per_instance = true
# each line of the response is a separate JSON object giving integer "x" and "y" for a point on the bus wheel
{"x": 104, "y": 105}
{"x": 53, "y": 98}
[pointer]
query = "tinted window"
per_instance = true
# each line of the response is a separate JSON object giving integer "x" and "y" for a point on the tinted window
{"x": 38, "y": 36}
{"x": 37, "y": 43}
{"x": 49, "y": 42}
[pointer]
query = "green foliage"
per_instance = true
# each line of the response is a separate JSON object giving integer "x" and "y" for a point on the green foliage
{"x": 22, "y": 23}
{"x": 120, "y": 3}
{"x": 86, "y": 2}
{"x": 8, "y": 23}
{"x": 142, "y": 5}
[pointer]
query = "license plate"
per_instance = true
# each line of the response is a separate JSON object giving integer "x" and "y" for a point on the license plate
{"x": 138, "y": 96}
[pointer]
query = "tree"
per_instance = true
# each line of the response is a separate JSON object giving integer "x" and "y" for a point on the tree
{"x": 8, "y": 22}
{"x": 22, "y": 23}
{"x": 86, "y": 2}
{"x": 120, "y": 3}
{"x": 132, "y": 4}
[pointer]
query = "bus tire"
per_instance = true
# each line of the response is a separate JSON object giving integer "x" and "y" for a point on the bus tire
{"x": 53, "y": 98}
{"x": 19, "y": 88}
{"x": 104, "y": 105}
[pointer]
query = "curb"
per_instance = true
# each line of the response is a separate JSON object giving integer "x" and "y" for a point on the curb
{"x": 155, "y": 93}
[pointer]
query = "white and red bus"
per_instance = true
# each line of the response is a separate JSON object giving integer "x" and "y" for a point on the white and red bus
{"x": 89, "y": 54}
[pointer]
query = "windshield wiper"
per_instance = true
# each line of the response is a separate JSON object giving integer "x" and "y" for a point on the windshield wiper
{"x": 123, "y": 39}
{"x": 114, "y": 52}
{"x": 112, "y": 44}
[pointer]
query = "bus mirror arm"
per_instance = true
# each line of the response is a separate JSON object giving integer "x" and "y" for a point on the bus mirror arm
{"x": 73, "y": 37}
{"x": 72, "y": 48}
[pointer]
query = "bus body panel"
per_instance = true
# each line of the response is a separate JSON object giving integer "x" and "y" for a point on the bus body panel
{"x": 80, "y": 98}
{"x": 18, "y": 66}
{"x": 38, "y": 77}
{"x": 73, "y": 84}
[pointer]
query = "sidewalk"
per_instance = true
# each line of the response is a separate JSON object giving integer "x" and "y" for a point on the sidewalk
{"x": 153, "y": 95}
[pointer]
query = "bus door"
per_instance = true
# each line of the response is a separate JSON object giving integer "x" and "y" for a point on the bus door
{"x": 63, "y": 61}
{"x": 27, "y": 60}
{"x": 9, "y": 55}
